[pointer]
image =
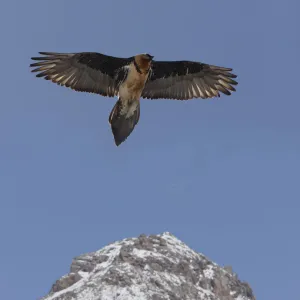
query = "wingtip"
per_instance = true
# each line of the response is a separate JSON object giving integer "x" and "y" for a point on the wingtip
{"x": 36, "y": 58}
{"x": 46, "y": 53}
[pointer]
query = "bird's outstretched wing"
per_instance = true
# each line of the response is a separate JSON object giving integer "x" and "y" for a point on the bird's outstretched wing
{"x": 183, "y": 80}
{"x": 85, "y": 72}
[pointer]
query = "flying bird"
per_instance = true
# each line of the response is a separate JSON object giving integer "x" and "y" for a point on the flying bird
{"x": 132, "y": 78}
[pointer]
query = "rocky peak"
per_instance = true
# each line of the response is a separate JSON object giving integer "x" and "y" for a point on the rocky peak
{"x": 155, "y": 267}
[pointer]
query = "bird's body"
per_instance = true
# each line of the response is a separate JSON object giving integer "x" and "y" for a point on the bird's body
{"x": 131, "y": 89}
{"x": 131, "y": 79}
{"x": 126, "y": 112}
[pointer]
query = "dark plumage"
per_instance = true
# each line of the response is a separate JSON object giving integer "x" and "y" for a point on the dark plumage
{"x": 84, "y": 72}
{"x": 183, "y": 80}
{"x": 133, "y": 78}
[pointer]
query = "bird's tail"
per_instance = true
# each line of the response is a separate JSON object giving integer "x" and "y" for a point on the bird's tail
{"x": 123, "y": 118}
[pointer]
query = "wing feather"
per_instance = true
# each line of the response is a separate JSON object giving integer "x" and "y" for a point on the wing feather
{"x": 84, "y": 71}
{"x": 185, "y": 80}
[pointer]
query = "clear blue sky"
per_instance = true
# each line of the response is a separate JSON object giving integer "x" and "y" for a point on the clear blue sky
{"x": 222, "y": 175}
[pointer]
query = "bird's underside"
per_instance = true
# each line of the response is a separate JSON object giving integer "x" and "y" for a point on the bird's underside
{"x": 131, "y": 79}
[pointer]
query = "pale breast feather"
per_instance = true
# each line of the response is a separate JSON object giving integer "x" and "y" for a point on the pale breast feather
{"x": 131, "y": 89}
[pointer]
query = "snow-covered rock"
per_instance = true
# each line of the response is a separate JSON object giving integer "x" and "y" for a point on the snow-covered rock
{"x": 155, "y": 267}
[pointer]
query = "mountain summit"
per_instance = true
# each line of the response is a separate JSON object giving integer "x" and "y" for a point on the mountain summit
{"x": 155, "y": 267}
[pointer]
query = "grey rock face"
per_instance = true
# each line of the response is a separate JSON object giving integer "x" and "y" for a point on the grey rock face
{"x": 155, "y": 267}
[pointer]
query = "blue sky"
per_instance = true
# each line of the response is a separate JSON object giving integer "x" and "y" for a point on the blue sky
{"x": 222, "y": 175}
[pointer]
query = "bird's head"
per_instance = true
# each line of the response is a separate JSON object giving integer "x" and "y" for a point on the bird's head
{"x": 147, "y": 57}
{"x": 143, "y": 62}
{"x": 150, "y": 57}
